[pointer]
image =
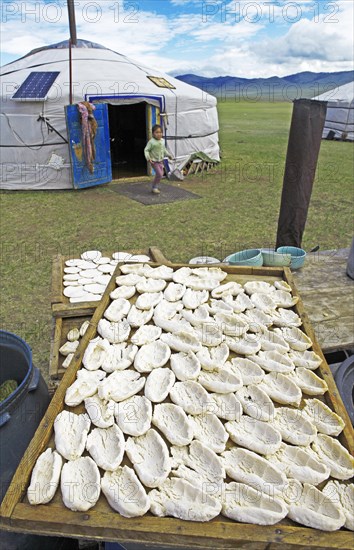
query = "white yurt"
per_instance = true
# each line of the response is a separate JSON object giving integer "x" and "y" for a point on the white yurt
{"x": 41, "y": 133}
{"x": 339, "y": 122}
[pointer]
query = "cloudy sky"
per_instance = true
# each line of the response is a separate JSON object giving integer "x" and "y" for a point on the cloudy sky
{"x": 245, "y": 38}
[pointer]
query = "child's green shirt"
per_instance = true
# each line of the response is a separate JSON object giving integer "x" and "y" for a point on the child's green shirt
{"x": 155, "y": 150}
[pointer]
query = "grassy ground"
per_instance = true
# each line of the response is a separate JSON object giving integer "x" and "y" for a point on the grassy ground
{"x": 238, "y": 209}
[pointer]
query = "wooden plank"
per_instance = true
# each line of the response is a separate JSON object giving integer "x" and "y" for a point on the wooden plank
{"x": 332, "y": 396}
{"x": 218, "y": 533}
{"x": 157, "y": 256}
{"x": 57, "y": 279}
{"x": 101, "y": 523}
{"x": 54, "y": 347}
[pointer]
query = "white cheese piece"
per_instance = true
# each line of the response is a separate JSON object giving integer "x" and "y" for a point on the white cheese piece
{"x": 325, "y": 420}
{"x": 138, "y": 317}
{"x": 273, "y": 361}
{"x": 120, "y": 385}
{"x": 308, "y": 359}
{"x": 119, "y": 357}
{"x": 272, "y": 341}
{"x": 174, "y": 292}
{"x": 245, "y": 345}
{"x": 131, "y": 279}
{"x": 286, "y": 318}
{"x": 117, "y": 310}
{"x": 85, "y": 325}
{"x": 173, "y": 422}
{"x": 299, "y": 463}
{"x": 106, "y": 446}
{"x": 123, "y": 292}
{"x": 158, "y": 384}
{"x": 308, "y": 381}
{"x": 248, "y": 467}
{"x": 256, "y": 403}
{"x": 231, "y": 324}
{"x": 200, "y": 466}
{"x": 176, "y": 324}
{"x": 45, "y": 477}
{"x": 222, "y": 381}
{"x": 264, "y": 302}
{"x": 182, "y": 341}
{"x": 73, "y": 335}
{"x": 67, "y": 360}
{"x": 245, "y": 504}
{"x": 161, "y": 272}
{"x": 281, "y": 389}
{"x": 71, "y": 433}
{"x": 241, "y": 303}
{"x": 220, "y": 306}
{"x": 284, "y": 299}
{"x": 167, "y": 310}
{"x": 209, "y": 334}
{"x": 146, "y": 334}
{"x": 68, "y": 348}
{"x": 335, "y": 456}
{"x": 186, "y": 366}
{"x": 209, "y": 430}
{"x": 149, "y": 455}
{"x": 316, "y": 510}
{"x": 254, "y": 435}
{"x": 261, "y": 287}
{"x": 138, "y": 269}
{"x": 191, "y": 396}
{"x": 228, "y": 289}
{"x": 125, "y": 493}
{"x": 342, "y": 495}
{"x": 293, "y": 426}
{"x": 84, "y": 386}
{"x": 192, "y": 299}
{"x": 152, "y": 356}
{"x": 115, "y": 333}
{"x": 148, "y": 300}
{"x": 133, "y": 415}
{"x": 296, "y": 338}
{"x": 80, "y": 484}
{"x": 197, "y": 317}
{"x": 179, "y": 499}
{"x": 95, "y": 353}
{"x": 225, "y": 406}
{"x": 250, "y": 372}
{"x": 100, "y": 412}
{"x": 150, "y": 285}
{"x": 213, "y": 359}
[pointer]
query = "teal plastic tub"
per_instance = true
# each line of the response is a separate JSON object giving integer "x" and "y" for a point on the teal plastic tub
{"x": 298, "y": 255}
{"x": 274, "y": 259}
{"x": 251, "y": 256}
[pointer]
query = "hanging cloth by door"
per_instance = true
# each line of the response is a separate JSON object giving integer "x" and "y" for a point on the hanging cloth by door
{"x": 89, "y": 129}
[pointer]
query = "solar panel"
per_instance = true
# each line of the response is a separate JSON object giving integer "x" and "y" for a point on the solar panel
{"x": 36, "y": 86}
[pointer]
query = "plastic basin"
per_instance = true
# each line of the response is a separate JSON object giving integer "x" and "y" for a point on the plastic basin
{"x": 251, "y": 256}
{"x": 274, "y": 259}
{"x": 298, "y": 255}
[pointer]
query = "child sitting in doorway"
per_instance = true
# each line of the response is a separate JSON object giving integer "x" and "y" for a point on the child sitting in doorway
{"x": 154, "y": 152}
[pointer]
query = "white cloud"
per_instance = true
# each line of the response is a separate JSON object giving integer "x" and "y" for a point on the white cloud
{"x": 185, "y": 42}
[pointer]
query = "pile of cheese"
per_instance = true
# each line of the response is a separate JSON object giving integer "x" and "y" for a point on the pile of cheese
{"x": 199, "y": 398}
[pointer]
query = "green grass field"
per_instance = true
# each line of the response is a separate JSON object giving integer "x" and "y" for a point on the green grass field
{"x": 238, "y": 209}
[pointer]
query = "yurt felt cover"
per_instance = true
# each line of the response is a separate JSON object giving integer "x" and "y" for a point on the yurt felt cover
{"x": 34, "y": 148}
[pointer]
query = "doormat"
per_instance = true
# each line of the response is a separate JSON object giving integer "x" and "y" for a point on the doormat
{"x": 141, "y": 192}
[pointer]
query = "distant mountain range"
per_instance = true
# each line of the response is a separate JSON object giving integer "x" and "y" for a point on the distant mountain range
{"x": 287, "y": 88}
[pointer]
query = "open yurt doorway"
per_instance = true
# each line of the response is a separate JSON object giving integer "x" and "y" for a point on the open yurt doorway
{"x": 128, "y": 134}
